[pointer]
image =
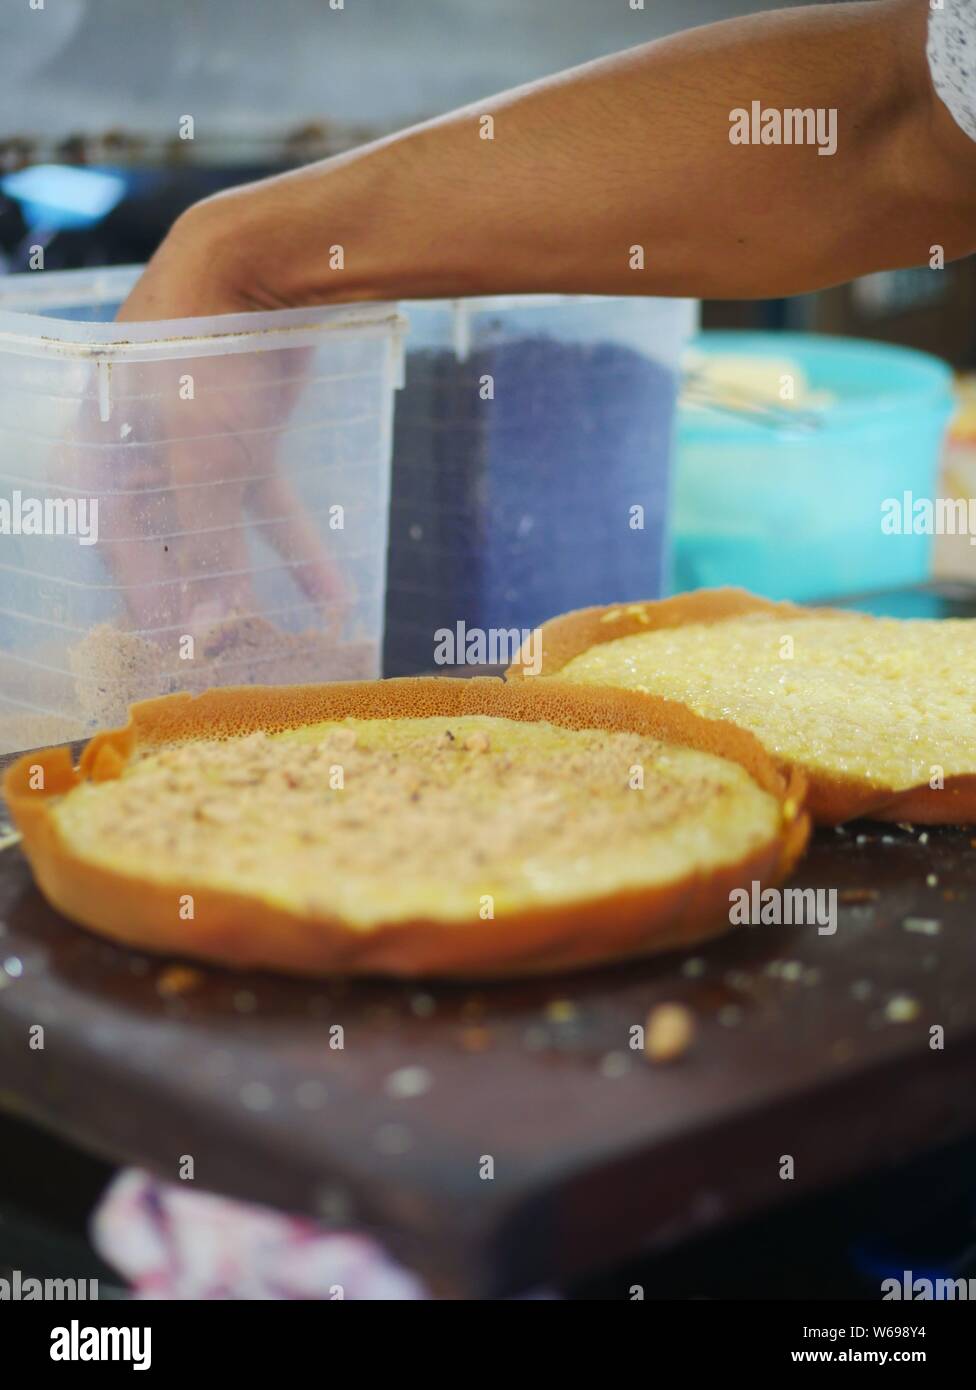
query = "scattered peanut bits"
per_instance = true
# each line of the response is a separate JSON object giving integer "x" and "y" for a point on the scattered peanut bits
{"x": 386, "y": 820}
{"x": 668, "y": 1033}
{"x": 902, "y": 1008}
{"x": 178, "y": 979}
{"x": 857, "y": 896}
{"x": 477, "y": 742}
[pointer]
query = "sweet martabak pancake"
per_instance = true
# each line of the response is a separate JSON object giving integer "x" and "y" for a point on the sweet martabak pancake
{"x": 876, "y": 712}
{"x": 407, "y": 827}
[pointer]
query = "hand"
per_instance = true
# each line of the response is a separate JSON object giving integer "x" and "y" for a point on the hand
{"x": 209, "y": 477}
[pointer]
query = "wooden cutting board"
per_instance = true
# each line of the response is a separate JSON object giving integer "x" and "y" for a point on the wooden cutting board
{"x": 816, "y": 1047}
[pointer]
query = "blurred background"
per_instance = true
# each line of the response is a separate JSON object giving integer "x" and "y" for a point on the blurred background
{"x": 94, "y": 169}
{"x": 96, "y": 83}
{"x": 780, "y": 494}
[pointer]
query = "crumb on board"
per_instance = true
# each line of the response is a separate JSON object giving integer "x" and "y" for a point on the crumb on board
{"x": 902, "y": 1008}
{"x": 178, "y": 979}
{"x": 560, "y": 1011}
{"x": 668, "y": 1032}
{"x": 922, "y": 926}
{"x": 857, "y": 895}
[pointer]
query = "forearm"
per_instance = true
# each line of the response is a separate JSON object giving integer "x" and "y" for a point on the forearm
{"x": 635, "y": 151}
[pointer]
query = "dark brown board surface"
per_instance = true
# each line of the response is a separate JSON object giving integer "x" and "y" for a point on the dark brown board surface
{"x": 597, "y": 1154}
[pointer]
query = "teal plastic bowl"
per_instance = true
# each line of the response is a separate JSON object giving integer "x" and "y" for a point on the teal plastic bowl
{"x": 797, "y": 514}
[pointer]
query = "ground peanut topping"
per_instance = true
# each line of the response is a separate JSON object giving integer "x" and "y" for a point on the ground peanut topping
{"x": 379, "y": 820}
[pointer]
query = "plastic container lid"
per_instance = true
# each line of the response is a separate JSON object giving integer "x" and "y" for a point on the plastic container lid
{"x": 30, "y": 324}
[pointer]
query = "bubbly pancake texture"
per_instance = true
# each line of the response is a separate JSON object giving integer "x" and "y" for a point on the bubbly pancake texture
{"x": 416, "y": 827}
{"x": 885, "y": 701}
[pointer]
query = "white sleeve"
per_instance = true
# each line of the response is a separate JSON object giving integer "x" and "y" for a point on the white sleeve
{"x": 951, "y": 50}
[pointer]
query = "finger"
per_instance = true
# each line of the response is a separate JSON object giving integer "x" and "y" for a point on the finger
{"x": 206, "y": 424}
{"x": 297, "y": 538}
{"x": 126, "y": 477}
{"x": 210, "y": 542}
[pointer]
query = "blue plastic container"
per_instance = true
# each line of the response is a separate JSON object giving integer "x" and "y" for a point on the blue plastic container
{"x": 532, "y": 457}
{"x": 797, "y": 514}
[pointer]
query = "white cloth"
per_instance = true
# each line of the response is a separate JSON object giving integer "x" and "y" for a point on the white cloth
{"x": 951, "y": 49}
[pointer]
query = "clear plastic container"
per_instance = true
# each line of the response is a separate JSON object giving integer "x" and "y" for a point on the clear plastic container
{"x": 211, "y": 497}
{"x": 531, "y": 462}
{"x": 796, "y": 513}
